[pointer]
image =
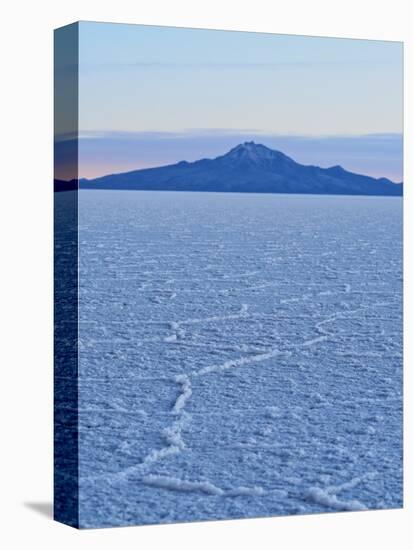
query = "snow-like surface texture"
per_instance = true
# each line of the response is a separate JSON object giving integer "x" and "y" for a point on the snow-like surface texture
{"x": 240, "y": 355}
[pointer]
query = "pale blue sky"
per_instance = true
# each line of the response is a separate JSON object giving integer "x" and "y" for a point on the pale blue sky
{"x": 140, "y": 79}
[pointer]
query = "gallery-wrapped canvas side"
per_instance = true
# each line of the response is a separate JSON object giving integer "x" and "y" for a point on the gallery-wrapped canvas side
{"x": 66, "y": 487}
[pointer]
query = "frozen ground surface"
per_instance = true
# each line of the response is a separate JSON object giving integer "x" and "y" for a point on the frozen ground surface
{"x": 241, "y": 355}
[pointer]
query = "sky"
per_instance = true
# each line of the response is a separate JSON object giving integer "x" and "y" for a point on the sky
{"x": 150, "y": 96}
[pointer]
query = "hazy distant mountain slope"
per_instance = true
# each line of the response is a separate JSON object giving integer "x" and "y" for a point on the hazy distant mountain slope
{"x": 249, "y": 168}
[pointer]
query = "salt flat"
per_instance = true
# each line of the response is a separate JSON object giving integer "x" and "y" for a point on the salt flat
{"x": 240, "y": 355}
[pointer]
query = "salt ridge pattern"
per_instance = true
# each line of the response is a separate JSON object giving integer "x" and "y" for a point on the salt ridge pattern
{"x": 240, "y": 355}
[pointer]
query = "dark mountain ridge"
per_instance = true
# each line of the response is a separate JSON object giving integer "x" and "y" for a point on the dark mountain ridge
{"x": 248, "y": 168}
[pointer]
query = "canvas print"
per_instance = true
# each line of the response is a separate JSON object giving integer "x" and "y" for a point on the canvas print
{"x": 228, "y": 275}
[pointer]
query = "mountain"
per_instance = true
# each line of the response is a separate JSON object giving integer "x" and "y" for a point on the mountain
{"x": 248, "y": 168}
{"x": 64, "y": 185}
